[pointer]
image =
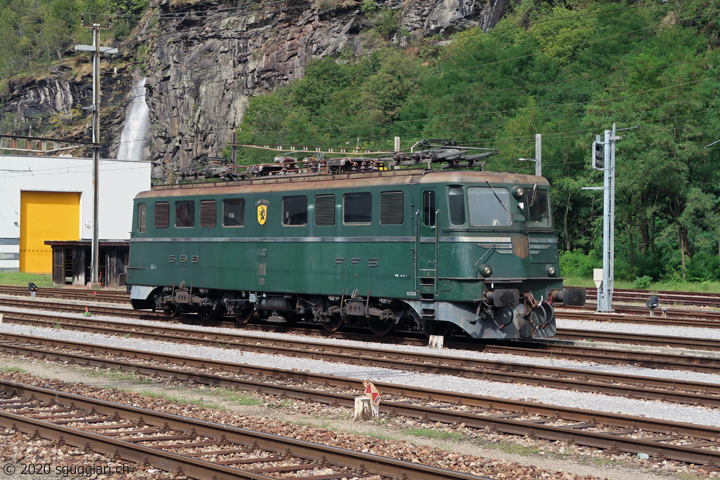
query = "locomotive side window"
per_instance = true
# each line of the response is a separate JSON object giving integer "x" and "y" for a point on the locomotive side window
{"x": 456, "y": 203}
{"x": 324, "y": 210}
{"x": 391, "y": 208}
{"x": 208, "y": 213}
{"x": 295, "y": 210}
{"x": 429, "y": 208}
{"x": 357, "y": 208}
{"x": 538, "y": 207}
{"x": 141, "y": 208}
{"x": 489, "y": 206}
{"x": 162, "y": 215}
{"x": 233, "y": 212}
{"x": 185, "y": 214}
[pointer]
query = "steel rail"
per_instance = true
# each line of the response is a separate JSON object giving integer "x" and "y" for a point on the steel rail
{"x": 358, "y": 461}
{"x": 649, "y": 388}
{"x": 691, "y": 343}
{"x": 561, "y": 314}
{"x": 582, "y": 380}
{"x": 500, "y": 423}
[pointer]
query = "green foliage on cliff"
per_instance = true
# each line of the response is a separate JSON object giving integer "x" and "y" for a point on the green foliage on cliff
{"x": 37, "y": 32}
{"x": 567, "y": 70}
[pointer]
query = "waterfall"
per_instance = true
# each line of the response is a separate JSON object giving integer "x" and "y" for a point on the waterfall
{"x": 137, "y": 118}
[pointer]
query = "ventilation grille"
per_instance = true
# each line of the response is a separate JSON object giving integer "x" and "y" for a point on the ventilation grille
{"x": 324, "y": 210}
{"x": 208, "y": 215}
{"x": 162, "y": 215}
{"x": 391, "y": 208}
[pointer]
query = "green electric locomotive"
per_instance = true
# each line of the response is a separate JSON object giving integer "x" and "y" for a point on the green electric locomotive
{"x": 356, "y": 242}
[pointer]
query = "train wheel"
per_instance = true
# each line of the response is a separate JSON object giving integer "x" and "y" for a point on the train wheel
{"x": 244, "y": 316}
{"x": 381, "y": 327}
{"x": 172, "y": 310}
{"x": 207, "y": 314}
{"x": 332, "y": 324}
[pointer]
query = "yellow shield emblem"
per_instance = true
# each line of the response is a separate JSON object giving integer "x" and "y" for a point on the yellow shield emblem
{"x": 262, "y": 214}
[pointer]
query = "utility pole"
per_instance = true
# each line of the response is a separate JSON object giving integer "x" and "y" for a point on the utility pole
{"x": 95, "y": 107}
{"x": 603, "y": 158}
{"x": 538, "y": 155}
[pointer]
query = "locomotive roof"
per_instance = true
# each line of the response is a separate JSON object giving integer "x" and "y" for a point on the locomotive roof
{"x": 278, "y": 183}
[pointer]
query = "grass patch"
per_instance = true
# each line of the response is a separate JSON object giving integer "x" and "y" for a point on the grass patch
{"x": 308, "y": 423}
{"x": 434, "y": 434}
{"x": 12, "y": 369}
{"x": 115, "y": 375}
{"x": 701, "y": 287}
{"x": 522, "y": 450}
{"x": 200, "y": 402}
{"x": 379, "y": 436}
{"x": 238, "y": 398}
{"x": 22, "y": 279}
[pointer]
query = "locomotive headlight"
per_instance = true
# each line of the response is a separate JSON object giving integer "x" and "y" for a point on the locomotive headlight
{"x": 550, "y": 270}
{"x": 517, "y": 192}
{"x": 485, "y": 270}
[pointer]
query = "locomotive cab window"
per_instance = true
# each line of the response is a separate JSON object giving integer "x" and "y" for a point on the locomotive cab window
{"x": 391, "y": 208}
{"x": 233, "y": 212}
{"x": 208, "y": 213}
{"x": 295, "y": 210}
{"x": 141, "y": 208}
{"x": 185, "y": 214}
{"x": 537, "y": 209}
{"x": 456, "y": 204}
{"x": 162, "y": 215}
{"x": 429, "y": 208}
{"x": 489, "y": 206}
{"x": 324, "y": 210}
{"x": 357, "y": 208}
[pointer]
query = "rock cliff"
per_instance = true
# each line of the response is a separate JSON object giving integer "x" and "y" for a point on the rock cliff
{"x": 204, "y": 59}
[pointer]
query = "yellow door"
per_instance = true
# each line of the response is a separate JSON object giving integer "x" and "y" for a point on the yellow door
{"x": 46, "y": 216}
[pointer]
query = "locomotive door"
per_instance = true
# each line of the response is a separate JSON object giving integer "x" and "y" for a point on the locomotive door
{"x": 427, "y": 246}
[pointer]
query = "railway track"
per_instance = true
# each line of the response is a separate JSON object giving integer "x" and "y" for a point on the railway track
{"x": 562, "y": 333}
{"x": 667, "y": 297}
{"x": 692, "y": 393}
{"x": 70, "y": 293}
{"x": 615, "y": 432}
{"x": 186, "y": 446}
{"x": 594, "y": 353}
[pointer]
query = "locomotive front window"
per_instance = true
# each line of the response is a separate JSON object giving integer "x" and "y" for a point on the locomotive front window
{"x": 141, "y": 217}
{"x": 357, "y": 208}
{"x": 233, "y": 212}
{"x": 185, "y": 214}
{"x": 489, "y": 206}
{"x": 295, "y": 210}
{"x": 162, "y": 214}
{"x": 538, "y": 207}
{"x": 456, "y": 203}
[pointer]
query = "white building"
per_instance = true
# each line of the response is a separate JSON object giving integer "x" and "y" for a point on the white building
{"x": 51, "y": 198}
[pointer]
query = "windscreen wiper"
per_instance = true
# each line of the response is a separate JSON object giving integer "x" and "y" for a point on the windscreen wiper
{"x": 532, "y": 199}
{"x": 496, "y": 195}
